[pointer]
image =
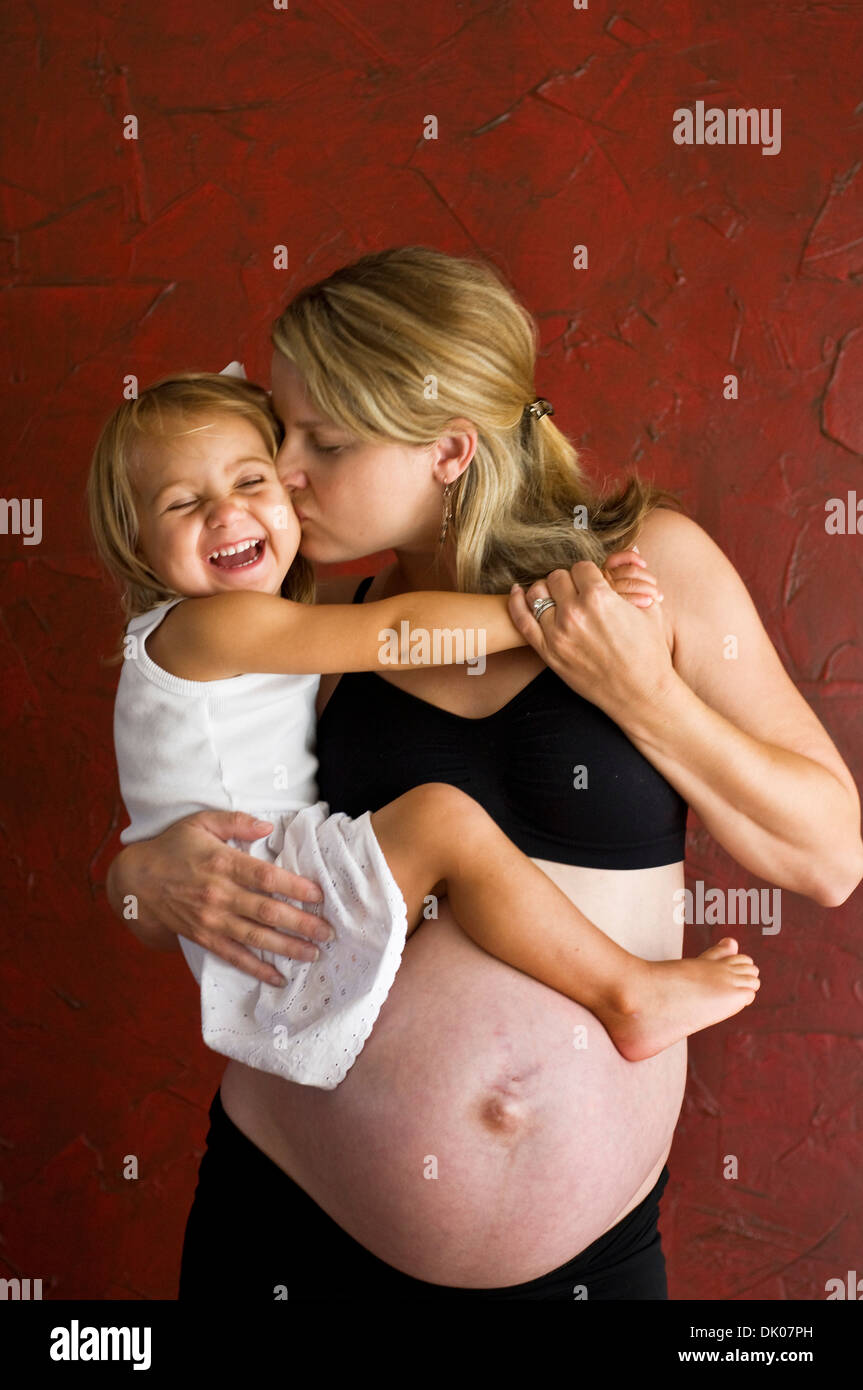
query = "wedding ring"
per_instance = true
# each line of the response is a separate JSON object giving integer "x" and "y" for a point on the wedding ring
{"x": 540, "y": 605}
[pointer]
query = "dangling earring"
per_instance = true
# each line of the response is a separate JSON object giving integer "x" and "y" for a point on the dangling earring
{"x": 447, "y": 512}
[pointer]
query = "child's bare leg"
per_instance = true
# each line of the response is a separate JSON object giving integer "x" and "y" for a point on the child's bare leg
{"x": 437, "y": 839}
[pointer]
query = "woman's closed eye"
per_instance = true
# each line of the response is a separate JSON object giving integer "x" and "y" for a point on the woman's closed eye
{"x": 326, "y": 448}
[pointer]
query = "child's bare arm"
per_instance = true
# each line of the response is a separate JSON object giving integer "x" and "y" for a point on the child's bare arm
{"x": 225, "y": 635}
{"x": 229, "y": 634}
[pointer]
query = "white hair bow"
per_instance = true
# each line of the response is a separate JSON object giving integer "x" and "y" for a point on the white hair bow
{"x": 234, "y": 369}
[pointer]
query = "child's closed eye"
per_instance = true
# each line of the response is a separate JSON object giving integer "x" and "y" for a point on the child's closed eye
{"x": 193, "y": 501}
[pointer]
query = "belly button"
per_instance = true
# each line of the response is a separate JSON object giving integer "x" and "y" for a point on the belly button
{"x": 502, "y": 1114}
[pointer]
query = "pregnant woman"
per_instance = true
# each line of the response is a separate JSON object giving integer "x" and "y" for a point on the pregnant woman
{"x": 489, "y": 1142}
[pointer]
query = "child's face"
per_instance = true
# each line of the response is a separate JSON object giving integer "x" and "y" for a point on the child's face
{"x": 205, "y": 491}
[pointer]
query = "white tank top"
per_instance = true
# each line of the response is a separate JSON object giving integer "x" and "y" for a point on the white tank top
{"x": 242, "y": 744}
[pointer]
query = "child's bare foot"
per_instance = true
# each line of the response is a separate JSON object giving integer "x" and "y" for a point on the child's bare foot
{"x": 672, "y": 998}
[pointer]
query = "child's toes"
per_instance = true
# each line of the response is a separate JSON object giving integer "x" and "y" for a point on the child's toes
{"x": 724, "y": 948}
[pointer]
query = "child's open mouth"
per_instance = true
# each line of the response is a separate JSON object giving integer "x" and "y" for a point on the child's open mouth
{"x": 240, "y": 556}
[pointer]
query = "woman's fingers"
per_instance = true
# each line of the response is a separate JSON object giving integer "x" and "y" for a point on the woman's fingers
{"x": 559, "y": 586}
{"x": 225, "y": 902}
{"x": 261, "y": 879}
{"x": 231, "y": 825}
{"x": 521, "y": 612}
{"x": 236, "y": 825}
{"x": 247, "y": 961}
{"x": 537, "y": 590}
{"x": 228, "y": 867}
{"x": 234, "y": 925}
{"x": 261, "y": 923}
{"x": 624, "y": 572}
{"x": 188, "y": 882}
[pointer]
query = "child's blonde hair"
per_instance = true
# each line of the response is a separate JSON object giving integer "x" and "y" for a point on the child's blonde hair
{"x": 402, "y": 341}
{"x": 159, "y": 412}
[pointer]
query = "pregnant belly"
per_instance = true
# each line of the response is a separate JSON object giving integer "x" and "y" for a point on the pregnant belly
{"x": 488, "y": 1131}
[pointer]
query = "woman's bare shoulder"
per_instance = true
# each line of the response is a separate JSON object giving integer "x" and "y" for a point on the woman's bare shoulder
{"x": 690, "y": 569}
{"x": 664, "y": 528}
{"x": 673, "y": 546}
{"x": 722, "y": 649}
{"x": 684, "y": 557}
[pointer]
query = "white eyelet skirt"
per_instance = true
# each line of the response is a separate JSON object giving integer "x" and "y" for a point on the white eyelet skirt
{"x": 312, "y": 1028}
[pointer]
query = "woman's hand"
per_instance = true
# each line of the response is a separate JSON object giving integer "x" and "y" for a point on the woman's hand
{"x": 189, "y": 882}
{"x": 593, "y": 638}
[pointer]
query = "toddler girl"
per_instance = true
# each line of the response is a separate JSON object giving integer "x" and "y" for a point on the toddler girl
{"x": 215, "y": 708}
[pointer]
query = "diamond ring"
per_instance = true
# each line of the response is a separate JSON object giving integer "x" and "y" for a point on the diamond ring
{"x": 540, "y": 605}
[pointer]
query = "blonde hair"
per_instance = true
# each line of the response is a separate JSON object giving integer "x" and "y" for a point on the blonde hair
{"x": 402, "y": 341}
{"x": 158, "y": 413}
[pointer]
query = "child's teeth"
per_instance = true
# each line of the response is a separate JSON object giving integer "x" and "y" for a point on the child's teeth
{"x": 236, "y": 550}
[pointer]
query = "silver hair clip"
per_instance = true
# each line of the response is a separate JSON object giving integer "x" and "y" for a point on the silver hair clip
{"x": 538, "y": 408}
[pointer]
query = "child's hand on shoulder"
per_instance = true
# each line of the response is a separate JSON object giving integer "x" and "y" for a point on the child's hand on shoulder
{"x": 628, "y": 575}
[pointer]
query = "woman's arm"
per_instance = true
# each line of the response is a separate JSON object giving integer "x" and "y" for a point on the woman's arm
{"x": 720, "y": 718}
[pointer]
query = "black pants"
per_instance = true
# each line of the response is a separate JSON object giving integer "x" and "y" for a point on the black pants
{"x": 284, "y": 1240}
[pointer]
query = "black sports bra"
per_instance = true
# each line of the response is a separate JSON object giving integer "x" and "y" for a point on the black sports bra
{"x": 525, "y": 763}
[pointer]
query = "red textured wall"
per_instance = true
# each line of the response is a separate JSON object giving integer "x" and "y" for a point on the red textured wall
{"x": 304, "y": 126}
